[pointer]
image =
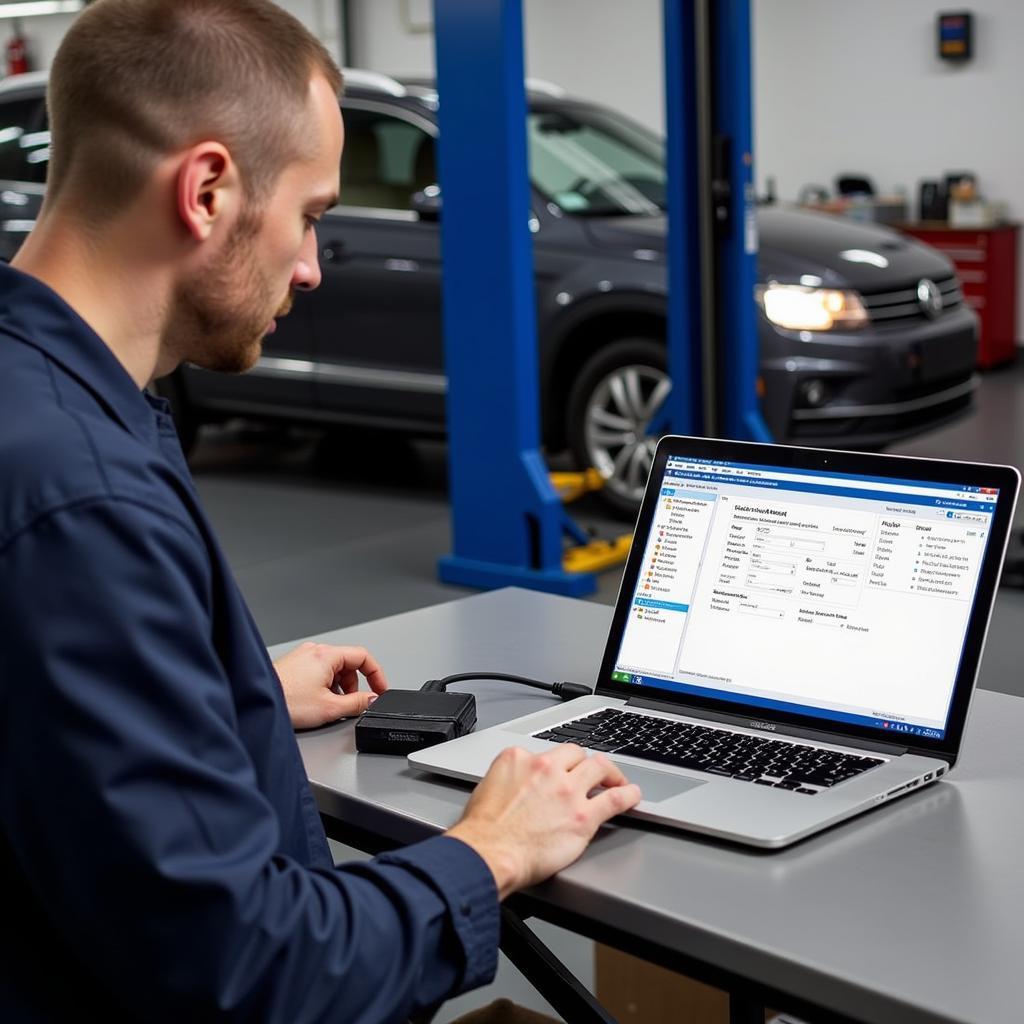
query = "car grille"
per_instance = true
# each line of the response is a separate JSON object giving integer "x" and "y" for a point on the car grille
{"x": 900, "y": 306}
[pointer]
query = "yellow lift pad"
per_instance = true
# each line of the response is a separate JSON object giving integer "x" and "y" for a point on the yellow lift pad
{"x": 596, "y": 554}
{"x": 571, "y": 486}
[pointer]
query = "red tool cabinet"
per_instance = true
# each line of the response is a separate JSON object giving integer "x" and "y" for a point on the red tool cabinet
{"x": 986, "y": 263}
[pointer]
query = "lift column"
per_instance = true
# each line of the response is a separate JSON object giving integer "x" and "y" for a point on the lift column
{"x": 507, "y": 519}
{"x": 713, "y": 351}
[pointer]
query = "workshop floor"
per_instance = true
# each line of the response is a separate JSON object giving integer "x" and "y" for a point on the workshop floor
{"x": 324, "y": 531}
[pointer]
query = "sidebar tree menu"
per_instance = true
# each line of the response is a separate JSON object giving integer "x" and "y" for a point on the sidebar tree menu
{"x": 668, "y": 576}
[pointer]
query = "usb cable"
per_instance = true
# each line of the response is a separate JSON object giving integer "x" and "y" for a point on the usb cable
{"x": 563, "y": 690}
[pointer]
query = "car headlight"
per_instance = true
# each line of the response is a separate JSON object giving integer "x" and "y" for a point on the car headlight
{"x": 798, "y": 308}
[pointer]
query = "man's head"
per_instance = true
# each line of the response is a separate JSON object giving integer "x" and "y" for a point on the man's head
{"x": 218, "y": 118}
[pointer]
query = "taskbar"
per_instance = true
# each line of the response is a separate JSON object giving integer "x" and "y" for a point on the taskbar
{"x": 881, "y": 724}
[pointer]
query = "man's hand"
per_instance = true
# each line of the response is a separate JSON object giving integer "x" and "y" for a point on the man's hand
{"x": 533, "y": 814}
{"x": 321, "y": 682}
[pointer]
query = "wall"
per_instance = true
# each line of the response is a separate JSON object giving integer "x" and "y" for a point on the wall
{"x": 45, "y": 33}
{"x": 597, "y": 49}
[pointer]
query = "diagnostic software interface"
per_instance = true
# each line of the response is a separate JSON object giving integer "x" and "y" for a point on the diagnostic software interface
{"x": 843, "y": 597}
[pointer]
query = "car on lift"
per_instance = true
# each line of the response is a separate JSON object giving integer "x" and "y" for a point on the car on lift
{"x": 864, "y": 333}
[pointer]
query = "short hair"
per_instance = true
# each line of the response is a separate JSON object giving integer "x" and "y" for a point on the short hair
{"x": 136, "y": 80}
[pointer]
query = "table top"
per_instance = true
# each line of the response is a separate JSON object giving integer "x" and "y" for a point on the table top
{"x": 912, "y": 913}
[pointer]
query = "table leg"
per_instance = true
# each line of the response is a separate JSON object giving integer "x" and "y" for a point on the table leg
{"x": 743, "y": 1010}
{"x": 548, "y": 975}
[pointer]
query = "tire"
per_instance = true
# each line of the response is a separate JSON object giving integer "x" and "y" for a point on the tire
{"x": 186, "y": 419}
{"x": 611, "y": 403}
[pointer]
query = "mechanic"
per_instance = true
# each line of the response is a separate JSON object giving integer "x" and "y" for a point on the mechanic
{"x": 161, "y": 851}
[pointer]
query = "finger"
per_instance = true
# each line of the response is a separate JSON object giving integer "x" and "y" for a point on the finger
{"x": 591, "y": 773}
{"x": 565, "y": 756}
{"x": 350, "y": 704}
{"x": 616, "y": 800}
{"x": 599, "y": 771}
{"x": 348, "y": 660}
{"x": 346, "y": 681}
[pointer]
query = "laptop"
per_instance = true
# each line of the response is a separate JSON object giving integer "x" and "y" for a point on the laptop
{"x": 795, "y": 641}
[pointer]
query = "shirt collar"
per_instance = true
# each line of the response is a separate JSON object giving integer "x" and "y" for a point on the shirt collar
{"x": 38, "y": 316}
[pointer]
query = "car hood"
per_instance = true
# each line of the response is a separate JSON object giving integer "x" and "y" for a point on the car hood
{"x": 797, "y": 243}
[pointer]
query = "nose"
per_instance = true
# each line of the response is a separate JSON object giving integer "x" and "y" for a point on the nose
{"x": 306, "y": 275}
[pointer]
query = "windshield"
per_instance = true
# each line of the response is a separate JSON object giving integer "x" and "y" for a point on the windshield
{"x": 592, "y": 162}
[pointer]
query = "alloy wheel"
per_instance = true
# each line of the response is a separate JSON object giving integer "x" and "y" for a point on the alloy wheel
{"x": 617, "y": 421}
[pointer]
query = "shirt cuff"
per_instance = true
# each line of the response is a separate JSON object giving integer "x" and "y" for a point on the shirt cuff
{"x": 464, "y": 882}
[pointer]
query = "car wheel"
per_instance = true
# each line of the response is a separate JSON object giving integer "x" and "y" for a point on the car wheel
{"x": 186, "y": 419}
{"x": 611, "y": 406}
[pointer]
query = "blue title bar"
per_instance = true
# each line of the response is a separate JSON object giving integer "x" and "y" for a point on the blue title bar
{"x": 897, "y": 497}
{"x": 793, "y": 470}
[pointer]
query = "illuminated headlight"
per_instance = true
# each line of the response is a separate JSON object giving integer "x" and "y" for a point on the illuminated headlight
{"x": 810, "y": 309}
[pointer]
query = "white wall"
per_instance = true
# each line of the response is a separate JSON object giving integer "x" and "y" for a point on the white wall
{"x": 597, "y": 49}
{"x": 44, "y": 33}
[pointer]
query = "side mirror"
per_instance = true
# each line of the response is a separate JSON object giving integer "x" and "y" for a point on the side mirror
{"x": 427, "y": 203}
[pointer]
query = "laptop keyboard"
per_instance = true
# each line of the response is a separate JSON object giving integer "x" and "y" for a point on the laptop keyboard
{"x": 760, "y": 760}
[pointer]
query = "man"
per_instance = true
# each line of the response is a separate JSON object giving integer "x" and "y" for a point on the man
{"x": 160, "y": 850}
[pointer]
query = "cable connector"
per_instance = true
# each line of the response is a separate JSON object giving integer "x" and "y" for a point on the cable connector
{"x": 570, "y": 691}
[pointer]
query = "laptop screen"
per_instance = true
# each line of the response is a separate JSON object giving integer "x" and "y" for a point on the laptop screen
{"x": 834, "y": 595}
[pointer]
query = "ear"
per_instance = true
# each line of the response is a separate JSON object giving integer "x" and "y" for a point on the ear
{"x": 208, "y": 186}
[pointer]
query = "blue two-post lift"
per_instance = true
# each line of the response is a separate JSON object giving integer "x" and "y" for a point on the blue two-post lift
{"x": 508, "y": 522}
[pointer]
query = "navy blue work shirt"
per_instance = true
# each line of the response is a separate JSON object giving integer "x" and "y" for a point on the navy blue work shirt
{"x": 161, "y": 856}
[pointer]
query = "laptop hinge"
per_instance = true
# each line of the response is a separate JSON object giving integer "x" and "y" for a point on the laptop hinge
{"x": 767, "y": 727}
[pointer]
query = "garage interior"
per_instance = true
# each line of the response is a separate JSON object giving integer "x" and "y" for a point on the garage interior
{"x": 332, "y": 526}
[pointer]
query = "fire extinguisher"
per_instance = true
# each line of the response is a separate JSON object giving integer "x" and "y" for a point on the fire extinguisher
{"x": 17, "y": 54}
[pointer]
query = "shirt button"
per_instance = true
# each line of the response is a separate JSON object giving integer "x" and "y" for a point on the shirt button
{"x": 466, "y": 909}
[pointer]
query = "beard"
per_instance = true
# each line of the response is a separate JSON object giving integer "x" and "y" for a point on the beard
{"x": 220, "y": 314}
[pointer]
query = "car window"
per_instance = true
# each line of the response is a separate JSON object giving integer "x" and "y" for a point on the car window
{"x": 592, "y": 162}
{"x": 24, "y": 141}
{"x": 386, "y": 160}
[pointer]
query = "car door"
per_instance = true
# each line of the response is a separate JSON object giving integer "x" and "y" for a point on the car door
{"x": 24, "y": 155}
{"x": 377, "y": 313}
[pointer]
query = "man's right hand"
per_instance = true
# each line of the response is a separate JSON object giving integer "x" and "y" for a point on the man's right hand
{"x": 533, "y": 814}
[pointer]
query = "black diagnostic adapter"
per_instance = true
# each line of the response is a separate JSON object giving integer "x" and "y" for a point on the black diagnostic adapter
{"x": 401, "y": 721}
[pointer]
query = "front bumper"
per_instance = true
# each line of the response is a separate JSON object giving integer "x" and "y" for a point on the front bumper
{"x": 879, "y": 384}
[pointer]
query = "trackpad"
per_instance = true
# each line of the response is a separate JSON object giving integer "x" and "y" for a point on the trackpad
{"x": 658, "y": 786}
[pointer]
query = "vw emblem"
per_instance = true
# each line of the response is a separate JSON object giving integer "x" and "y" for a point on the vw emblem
{"x": 929, "y": 298}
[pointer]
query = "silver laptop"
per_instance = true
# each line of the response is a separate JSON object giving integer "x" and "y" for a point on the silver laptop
{"x": 795, "y": 641}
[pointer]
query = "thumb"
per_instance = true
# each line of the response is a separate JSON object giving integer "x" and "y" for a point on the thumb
{"x": 348, "y": 705}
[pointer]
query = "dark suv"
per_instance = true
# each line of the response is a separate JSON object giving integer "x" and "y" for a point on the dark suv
{"x": 864, "y": 333}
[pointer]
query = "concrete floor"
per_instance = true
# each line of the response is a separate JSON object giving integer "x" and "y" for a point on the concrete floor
{"x": 320, "y": 535}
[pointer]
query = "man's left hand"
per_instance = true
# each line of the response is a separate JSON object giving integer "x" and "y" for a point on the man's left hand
{"x": 321, "y": 682}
